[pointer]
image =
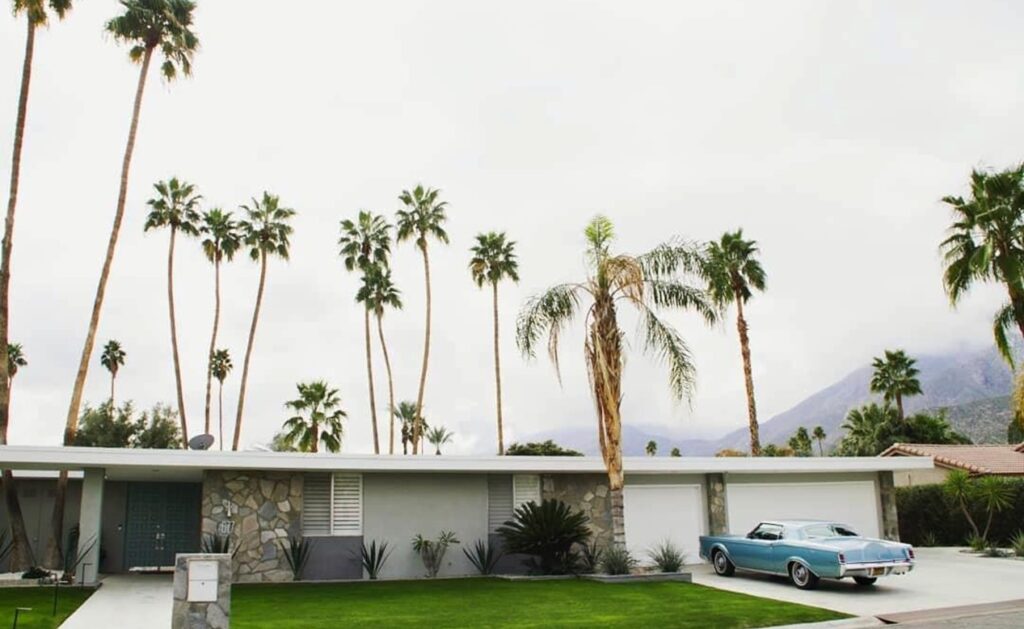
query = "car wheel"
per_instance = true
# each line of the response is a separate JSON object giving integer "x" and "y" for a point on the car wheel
{"x": 865, "y": 580}
{"x": 723, "y": 567}
{"x": 802, "y": 577}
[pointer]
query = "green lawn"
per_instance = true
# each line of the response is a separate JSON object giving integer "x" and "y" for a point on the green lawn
{"x": 40, "y": 599}
{"x": 500, "y": 603}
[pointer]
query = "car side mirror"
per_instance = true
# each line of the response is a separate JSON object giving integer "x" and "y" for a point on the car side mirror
{"x": 750, "y": 535}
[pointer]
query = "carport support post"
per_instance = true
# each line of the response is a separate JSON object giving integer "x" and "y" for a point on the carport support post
{"x": 90, "y": 524}
{"x": 890, "y": 515}
{"x": 718, "y": 524}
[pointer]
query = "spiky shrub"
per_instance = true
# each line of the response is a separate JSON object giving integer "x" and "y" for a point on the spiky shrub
{"x": 547, "y": 532}
{"x": 1017, "y": 543}
{"x": 296, "y": 553}
{"x": 977, "y": 542}
{"x": 590, "y": 558}
{"x": 667, "y": 557}
{"x": 617, "y": 560}
{"x": 373, "y": 557}
{"x": 432, "y": 551}
{"x": 215, "y": 545}
{"x": 484, "y": 556}
{"x": 929, "y": 539}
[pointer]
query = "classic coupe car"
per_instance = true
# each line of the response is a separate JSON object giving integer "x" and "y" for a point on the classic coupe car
{"x": 807, "y": 551}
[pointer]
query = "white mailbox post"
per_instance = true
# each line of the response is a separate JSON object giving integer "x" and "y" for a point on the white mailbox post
{"x": 202, "y": 581}
{"x": 202, "y": 591}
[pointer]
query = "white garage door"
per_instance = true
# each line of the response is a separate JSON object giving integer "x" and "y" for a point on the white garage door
{"x": 658, "y": 513}
{"x": 852, "y": 502}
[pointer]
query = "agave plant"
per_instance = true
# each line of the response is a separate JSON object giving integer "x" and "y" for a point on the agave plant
{"x": 296, "y": 553}
{"x": 590, "y": 558}
{"x": 432, "y": 551}
{"x": 667, "y": 557}
{"x": 484, "y": 556}
{"x": 1016, "y": 543}
{"x": 617, "y": 560}
{"x": 547, "y": 532}
{"x": 373, "y": 557}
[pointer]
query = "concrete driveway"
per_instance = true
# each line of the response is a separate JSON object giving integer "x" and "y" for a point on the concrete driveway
{"x": 131, "y": 601}
{"x": 942, "y": 577}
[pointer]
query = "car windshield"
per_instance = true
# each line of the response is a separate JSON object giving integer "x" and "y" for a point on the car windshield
{"x": 829, "y": 530}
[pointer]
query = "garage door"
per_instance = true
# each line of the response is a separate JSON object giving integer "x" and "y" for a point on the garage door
{"x": 658, "y": 513}
{"x": 853, "y": 503}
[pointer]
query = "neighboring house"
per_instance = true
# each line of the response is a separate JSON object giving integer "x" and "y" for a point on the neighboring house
{"x": 147, "y": 505}
{"x": 978, "y": 460}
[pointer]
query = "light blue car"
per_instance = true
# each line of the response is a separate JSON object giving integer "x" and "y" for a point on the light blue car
{"x": 807, "y": 551}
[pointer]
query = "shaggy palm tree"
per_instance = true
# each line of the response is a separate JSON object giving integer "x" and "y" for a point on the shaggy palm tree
{"x": 378, "y": 292}
{"x": 406, "y": 414}
{"x": 175, "y": 207}
{"x": 733, "y": 272}
{"x": 424, "y": 219}
{"x": 318, "y": 418}
{"x": 35, "y": 12}
{"x": 651, "y": 448}
{"x": 265, "y": 232}
{"x": 222, "y": 240}
{"x": 15, "y": 360}
{"x": 20, "y": 549}
{"x": 647, "y": 283}
{"x": 112, "y": 359}
{"x": 148, "y": 26}
{"x": 220, "y": 367}
{"x": 862, "y": 426}
{"x": 365, "y": 243}
{"x": 438, "y": 436}
{"x": 895, "y": 377}
{"x": 984, "y": 245}
{"x": 494, "y": 259}
{"x": 819, "y": 436}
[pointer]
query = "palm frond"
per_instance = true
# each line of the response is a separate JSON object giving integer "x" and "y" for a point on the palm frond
{"x": 1005, "y": 318}
{"x": 674, "y": 294}
{"x": 662, "y": 340}
{"x": 549, "y": 313}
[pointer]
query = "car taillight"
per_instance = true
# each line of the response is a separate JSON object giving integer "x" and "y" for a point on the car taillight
{"x": 910, "y": 553}
{"x": 842, "y": 558}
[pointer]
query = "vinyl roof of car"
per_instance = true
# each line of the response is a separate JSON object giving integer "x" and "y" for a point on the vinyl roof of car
{"x": 799, "y": 522}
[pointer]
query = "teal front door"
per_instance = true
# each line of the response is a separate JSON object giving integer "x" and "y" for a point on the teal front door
{"x": 161, "y": 520}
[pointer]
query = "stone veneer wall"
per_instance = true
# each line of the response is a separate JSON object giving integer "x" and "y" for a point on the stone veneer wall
{"x": 587, "y": 493}
{"x": 264, "y": 509}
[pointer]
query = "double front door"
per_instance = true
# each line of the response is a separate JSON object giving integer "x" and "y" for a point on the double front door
{"x": 162, "y": 519}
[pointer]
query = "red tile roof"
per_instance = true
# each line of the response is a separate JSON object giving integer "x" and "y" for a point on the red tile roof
{"x": 977, "y": 459}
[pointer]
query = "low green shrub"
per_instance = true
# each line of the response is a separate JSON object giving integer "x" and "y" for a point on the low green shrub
{"x": 432, "y": 551}
{"x": 484, "y": 556}
{"x": 977, "y": 543}
{"x": 590, "y": 558}
{"x": 1017, "y": 543}
{"x": 372, "y": 558}
{"x": 296, "y": 553}
{"x": 547, "y": 532}
{"x": 926, "y": 514}
{"x": 667, "y": 557}
{"x": 617, "y": 560}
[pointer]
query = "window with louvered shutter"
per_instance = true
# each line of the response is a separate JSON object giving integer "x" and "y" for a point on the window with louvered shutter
{"x": 316, "y": 505}
{"x": 499, "y": 500}
{"x": 348, "y": 504}
{"x": 333, "y": 505}
{"x": 525, "y": 488}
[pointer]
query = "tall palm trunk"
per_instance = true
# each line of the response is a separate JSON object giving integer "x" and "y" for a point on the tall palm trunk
{"x": 174, "y": 339}
{"x": 391, "y": 384}
{"x": 497, "y": 372}
{"x": 220, "y": 413}
{"x": 748, "y": 378}
{"x": 316, "y": 438}
{"x": 213, "y": 342}
{"x": 21, "y": 550}
{"x": 899, "y": 406}
{"x": 248, "y": 350}
{"x": 113, "y": 377}
{"x": 369, "y": 375}
{"x": 53, "y": 556}
{"x": 604, "y": 356}
{"x": 417, "y": 427}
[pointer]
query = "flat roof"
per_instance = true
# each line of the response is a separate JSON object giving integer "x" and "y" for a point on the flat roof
{"x": 133, "y": 464}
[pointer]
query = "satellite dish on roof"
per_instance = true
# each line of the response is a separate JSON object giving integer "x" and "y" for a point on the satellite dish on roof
{"x": 200, "y": 442}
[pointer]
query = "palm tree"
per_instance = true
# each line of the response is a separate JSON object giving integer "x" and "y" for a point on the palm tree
{"x": 819, "y": 436}
{"x": 649, "y": 282}
{"x": 20, "y": 549}
{"x": 424, "y": 219}
{"x": 379, "y": 292}
{"x": 862, "y": 426}
{"x": 222, "y": 240}
{"x": 35, "y": 15}
{"x": 15, "y": 360}
{"x": 113, "y": 359}
{"x": 220, "y": 366}
{"x": 175, "y": 207}
{"x": 363, "y": 244}
{"x": 494, "y": 259}
{"x": 406, "y": 414}
{"x": 984, "y": 244}
{"x": 318, "y": 418}
{"x": 439, "y": 436}
{"x": 732, "y": 271}
{"x": 652, "y": 448}
{"x": 894, "y": 377}
{"x": 265, "y": 232}
{"x": 147, "y": 25}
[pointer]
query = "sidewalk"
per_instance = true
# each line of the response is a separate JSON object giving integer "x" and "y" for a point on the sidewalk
{"x": 128, "y": 601}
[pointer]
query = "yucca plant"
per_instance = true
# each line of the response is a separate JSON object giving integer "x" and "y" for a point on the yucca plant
{"x": 617, "y": 560}
{"x": 547, "y": 532}
{"x": 296, "y": 553}
{"x": 373, "y": 557}
{"x": 484, "y": 556}
{"x": 590, "y": 558}
{"x": 1016, "y": 543}
{"x": 977, "y": 542}
{"x": 432, "y": 551}
{"x": 667, "y": 557}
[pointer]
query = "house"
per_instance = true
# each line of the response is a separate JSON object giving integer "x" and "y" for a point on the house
{"x": 147, "y": 505}
{"x": 978, "y": 460}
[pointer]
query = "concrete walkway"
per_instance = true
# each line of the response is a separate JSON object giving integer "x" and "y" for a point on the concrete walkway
{"x": 130, "y": 601}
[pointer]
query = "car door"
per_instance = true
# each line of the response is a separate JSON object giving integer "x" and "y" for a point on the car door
{"x": 754, "y": 552}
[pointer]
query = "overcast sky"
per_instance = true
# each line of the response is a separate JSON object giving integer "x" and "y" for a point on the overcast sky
{"x": 827, "y": 130}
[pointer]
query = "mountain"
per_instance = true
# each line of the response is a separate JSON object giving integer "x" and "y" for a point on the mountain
{"x": 970, "y": 384}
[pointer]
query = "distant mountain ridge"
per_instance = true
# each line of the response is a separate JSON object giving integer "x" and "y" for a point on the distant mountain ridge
{"x": 969, "y": 384}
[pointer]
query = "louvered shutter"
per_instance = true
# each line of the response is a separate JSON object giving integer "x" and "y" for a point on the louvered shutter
{"x": 525, "y": 488}
{"x": 499, "y": 500}
{"x": 316, "y": 505}
{"x": 348, "y": 504}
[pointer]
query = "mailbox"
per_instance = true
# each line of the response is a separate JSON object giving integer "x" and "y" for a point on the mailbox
{"x": 202, "y": 581}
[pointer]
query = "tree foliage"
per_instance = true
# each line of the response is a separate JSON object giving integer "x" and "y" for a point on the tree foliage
{"x": 107, "y": 427}
{"x": 872, "y": 428}
{"x": 540, "y": 448}
{"x": 895, "y": 377}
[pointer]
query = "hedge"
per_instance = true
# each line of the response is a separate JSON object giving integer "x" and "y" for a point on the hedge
{"x": 925, "y": 509}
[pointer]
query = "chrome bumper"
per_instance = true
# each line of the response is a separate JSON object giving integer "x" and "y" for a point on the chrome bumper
{"x": 875, "y": 569}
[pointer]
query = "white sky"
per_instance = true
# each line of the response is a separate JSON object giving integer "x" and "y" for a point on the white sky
{"x": 827, "y": 130}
